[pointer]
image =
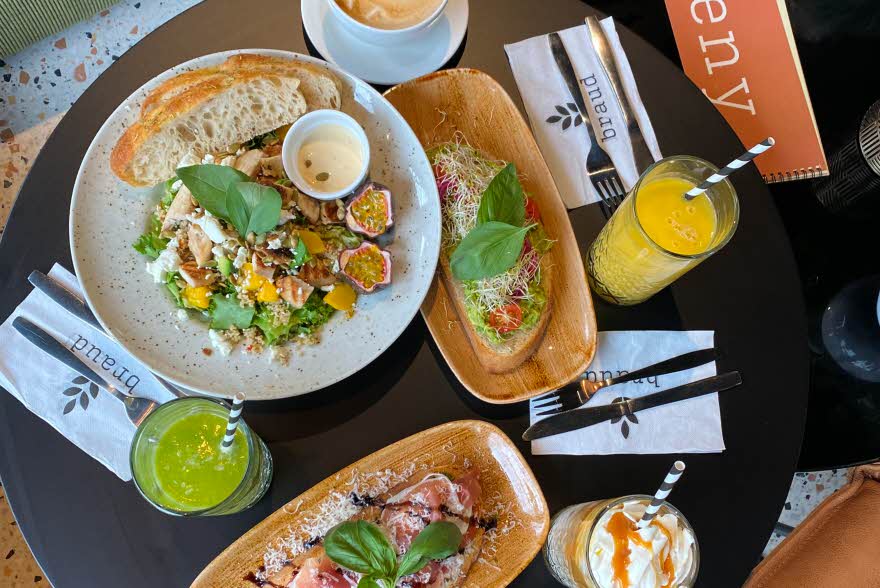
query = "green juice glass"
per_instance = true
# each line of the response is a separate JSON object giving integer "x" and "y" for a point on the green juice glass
{"x": 178, "y": 465}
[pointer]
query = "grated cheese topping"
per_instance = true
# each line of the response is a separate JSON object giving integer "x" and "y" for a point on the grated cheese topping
{"x": 337, "y": 508}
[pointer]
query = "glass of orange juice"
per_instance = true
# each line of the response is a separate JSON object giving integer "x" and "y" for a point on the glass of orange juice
{"x": 656, "y": 235}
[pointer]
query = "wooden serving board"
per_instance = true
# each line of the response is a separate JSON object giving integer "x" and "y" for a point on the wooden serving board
{"x": 470, "y": 102}
{"x": 509, "y": 492}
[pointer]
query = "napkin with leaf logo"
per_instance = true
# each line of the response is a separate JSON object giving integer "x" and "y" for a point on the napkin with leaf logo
{"x": 689, "y": 426}
{"x": 556, "y": 120}
{"x": 88, "y": 416}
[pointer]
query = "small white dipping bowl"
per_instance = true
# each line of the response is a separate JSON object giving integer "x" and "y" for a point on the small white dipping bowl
{"x": 378, "y": 36}
{"x": 301, "y": 130}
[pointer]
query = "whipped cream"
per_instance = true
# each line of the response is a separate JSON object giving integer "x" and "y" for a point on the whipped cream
{"x": 656, "y": 558}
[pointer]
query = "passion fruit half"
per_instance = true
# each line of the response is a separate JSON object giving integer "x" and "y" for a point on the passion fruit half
{"x": 367, "y": 267}
{"x": 369, "y": 211}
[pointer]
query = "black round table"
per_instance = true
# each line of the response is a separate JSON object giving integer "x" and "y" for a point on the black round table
{"x": 86, "y": 528}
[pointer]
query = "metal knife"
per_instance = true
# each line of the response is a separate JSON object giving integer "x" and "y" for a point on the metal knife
{"x": 641, "y": 153}
{"x": 75, "y": 306}
{"x": 563, "y": 62}
{"x": 585, "y": 417}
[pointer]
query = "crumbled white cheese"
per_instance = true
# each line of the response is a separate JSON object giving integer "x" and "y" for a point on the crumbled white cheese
{"x": 274, "y": 243}
{"x": 211, "y": 225}
{"x": 165, "y": 263}
{"x": 340, "y": 210}
{"x": 220, "y": 343}
{"x": 176, "y": 186}
{"x": 208, "y": 158}
{"x": 228, "y": 161}
{"x": 168, "y": 261}
{"x": 328, "y": 288}
{"x": 182, "y": 315}
{"x": 240, "y": 258}
{"x": 218, "y": 251}
{"x": 335, "y": 268}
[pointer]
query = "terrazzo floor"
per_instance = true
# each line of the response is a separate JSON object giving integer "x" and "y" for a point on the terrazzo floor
{"x": 39, "y": 85}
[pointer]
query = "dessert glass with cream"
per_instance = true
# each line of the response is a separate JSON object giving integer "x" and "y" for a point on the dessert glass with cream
{"x": 599, "y": 545}
{"x": 387, "y": 21}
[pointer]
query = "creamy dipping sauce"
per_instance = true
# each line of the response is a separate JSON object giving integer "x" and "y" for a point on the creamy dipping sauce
{"x": 389, "y": 14}
{"x": 331, "y": 158}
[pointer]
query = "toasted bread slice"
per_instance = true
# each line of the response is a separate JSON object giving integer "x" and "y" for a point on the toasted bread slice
{"x": 499, "y": 359}
{"x": 319, "y": 86}
{"x": 207, "y": 117}
{"x": 176, "y": 86}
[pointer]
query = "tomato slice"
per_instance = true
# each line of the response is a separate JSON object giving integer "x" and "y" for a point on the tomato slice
{"x": 532, "y": 210}
{"x": 507, "y": 318}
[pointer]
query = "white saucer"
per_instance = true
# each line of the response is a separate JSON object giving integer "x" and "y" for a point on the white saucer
{"x": 385, "y": 65}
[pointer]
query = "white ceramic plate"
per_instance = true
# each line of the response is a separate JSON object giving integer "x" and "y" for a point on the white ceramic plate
{"x": 107, "y": 215}
{"x": 385, "y": 65}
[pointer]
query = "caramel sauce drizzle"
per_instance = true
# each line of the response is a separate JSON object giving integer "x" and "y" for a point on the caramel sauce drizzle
{"x": 623, "y": 530}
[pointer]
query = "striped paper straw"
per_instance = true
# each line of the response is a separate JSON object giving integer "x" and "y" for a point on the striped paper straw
{"x": 665, "y": 488}
{"x": 232, "y": 423}
{"x": 730, "y": 168}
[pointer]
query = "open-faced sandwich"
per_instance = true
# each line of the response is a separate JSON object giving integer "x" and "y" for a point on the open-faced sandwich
{"x": 232, "y": 239}
{"x": 423, "y": 533}
{"x": 493, "y": 257}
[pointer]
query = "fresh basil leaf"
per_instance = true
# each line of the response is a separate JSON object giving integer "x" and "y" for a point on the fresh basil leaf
{"x": 300, "y": 254}
{"x": 264, "y": 204}
{"x": 208, "y": 184}
{"x": 503, "y": 199}
{"x": 488, "y": 250}
{"x": 237, "y": 209}
{"x": 438, "y": 540}
{"x": 361, "y": 547}
{"x": 252, "y": 208}
{"x": 226, "y": 312}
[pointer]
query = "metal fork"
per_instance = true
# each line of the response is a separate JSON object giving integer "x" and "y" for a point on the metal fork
{"x": 72, "y": 304}
{"x": 600, "y": 169}
{"x": 136, "y": 408}
{"x": 580, "y": 392}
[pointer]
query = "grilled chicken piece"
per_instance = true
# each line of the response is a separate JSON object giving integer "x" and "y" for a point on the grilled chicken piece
{"x": 273, "y": 149}
{"x": 260, "y": 268}
{"x": 288, "y": 195}
{"x": 310, "y": 207}
{"x": 332, "y": 212}
{"x": 273, "y": 256}
{"x": 197, "y": 276}
{"x": 200, "y": 244}
{"x": 315, "y": 272}
{"x": 181, "y": 206}
{"x": 272, "y": 167}
{"x": 294, "y": 291}
{"x": 249, "y": 162}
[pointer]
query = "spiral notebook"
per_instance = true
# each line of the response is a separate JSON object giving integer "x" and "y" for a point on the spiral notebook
{"x": 742, "y": 55}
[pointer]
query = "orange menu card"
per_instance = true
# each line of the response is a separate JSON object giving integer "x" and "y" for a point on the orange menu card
{"x": 741, "y": 53}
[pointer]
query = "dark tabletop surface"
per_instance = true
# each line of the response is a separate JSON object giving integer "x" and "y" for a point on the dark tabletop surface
{"x": 832, "y": 250}
{"x": 88, "y": 529}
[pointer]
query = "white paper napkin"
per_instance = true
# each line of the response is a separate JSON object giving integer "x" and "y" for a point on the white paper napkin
{"x": 563, "y": 140}
{"x": 689, "y": 426}
{"x": 88, "y": 416}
